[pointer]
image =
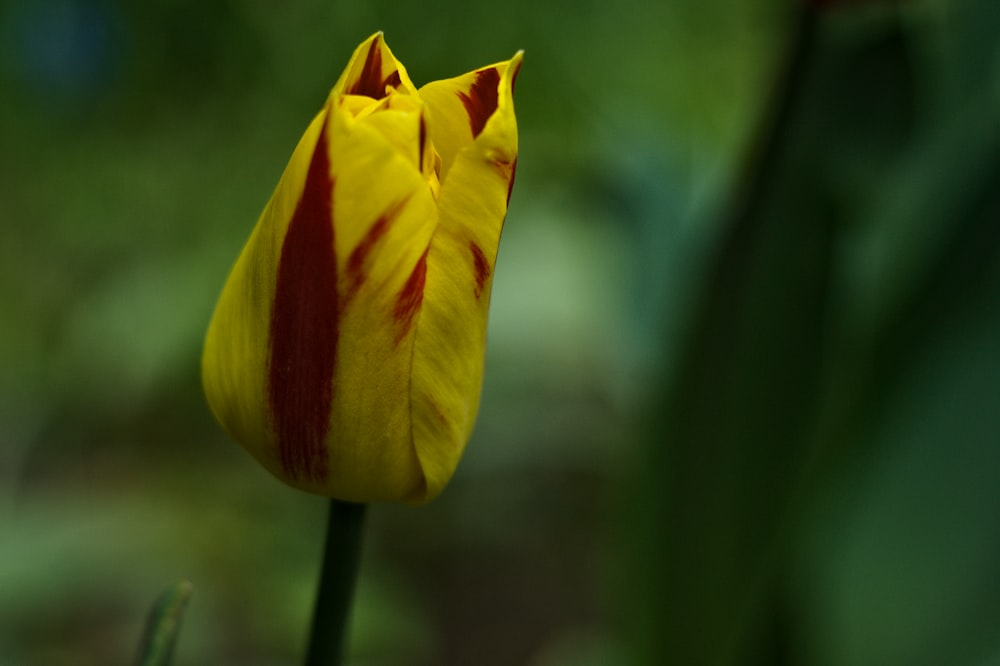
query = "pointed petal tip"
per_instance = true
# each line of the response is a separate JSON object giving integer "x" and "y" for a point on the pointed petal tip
{"x": 372, "y": 69}
{"x": 515, "y": 67}
{"x": 372, "y": 40}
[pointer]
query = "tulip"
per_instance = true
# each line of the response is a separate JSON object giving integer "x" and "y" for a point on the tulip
{"x": 346, "y": 349}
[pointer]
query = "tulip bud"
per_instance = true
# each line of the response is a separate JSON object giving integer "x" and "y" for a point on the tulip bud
{"x": 346, "y": 350}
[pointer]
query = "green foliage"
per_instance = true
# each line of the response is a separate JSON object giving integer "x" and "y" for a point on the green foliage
{"x": 164, "y": 622}
{"x": 824, "y": 453}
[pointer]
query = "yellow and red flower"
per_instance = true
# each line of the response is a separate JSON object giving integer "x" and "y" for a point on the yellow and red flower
{"x": 346, "y": 350}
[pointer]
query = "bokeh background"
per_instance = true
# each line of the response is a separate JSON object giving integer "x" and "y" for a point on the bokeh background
{"x": 743, "y": 379}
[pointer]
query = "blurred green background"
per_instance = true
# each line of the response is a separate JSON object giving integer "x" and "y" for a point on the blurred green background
{"x": 742, "y": 388}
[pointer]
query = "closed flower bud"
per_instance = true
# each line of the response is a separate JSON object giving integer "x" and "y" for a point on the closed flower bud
{"x": 346, "y": 350}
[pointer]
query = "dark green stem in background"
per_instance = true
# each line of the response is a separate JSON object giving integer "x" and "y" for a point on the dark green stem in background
{"x": 336, "y": 585}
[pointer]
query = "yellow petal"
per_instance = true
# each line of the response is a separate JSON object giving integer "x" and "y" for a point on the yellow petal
{"x": 460, "y": 108}
{"x": 384, "y": 216}
{"x": 346, "y": 349}
{"x": 235, "y": 357}
{"x": 451, "y": 336}
{"x": 297, "y": 338}
{"x": 371, "y": 71}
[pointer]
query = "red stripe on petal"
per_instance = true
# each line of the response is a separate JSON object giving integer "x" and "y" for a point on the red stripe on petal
{"x": 305, "y": 325}
{"x": 356, "y": 274}
{"x": 371, "y": 83}
{"x": 357, "y": 262}
{"x": 439, "y": 414}
{"x": 481, "y": 100}
{"x": 507, "y": 170}
{"x": 510, "y": 183}
{"x": 423, "y": 142}
{"x": 481, "y": 268}
{"x": 410, "y": 297}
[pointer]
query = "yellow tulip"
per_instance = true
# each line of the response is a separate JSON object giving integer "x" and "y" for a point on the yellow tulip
{"x": 346, "y": 350}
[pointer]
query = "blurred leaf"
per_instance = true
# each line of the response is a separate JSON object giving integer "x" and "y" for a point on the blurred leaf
{"x": 900, "y": 548}
{"x": 735, "y": 427}
{"x": 164, "y": 623}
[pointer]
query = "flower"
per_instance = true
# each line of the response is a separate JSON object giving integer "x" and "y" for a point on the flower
{"x": 346, "y": 350}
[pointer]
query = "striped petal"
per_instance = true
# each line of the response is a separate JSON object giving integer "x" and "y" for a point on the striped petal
{"x": 307, "y": 360}
{"x": 460, "y": 108}
{"x": 389, "y": 215}
{"x": 372, "y": 70}
{"x": 345, "y": 353}
{"x": 451, "y": 338}
{"x": 235, "y": 360}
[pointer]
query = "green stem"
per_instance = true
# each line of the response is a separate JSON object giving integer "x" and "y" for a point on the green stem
{"x": 336, "y": 585}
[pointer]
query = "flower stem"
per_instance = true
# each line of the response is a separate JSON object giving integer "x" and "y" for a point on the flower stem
{"x": 336, "y": 584}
